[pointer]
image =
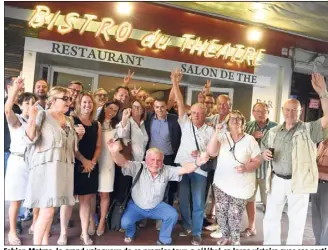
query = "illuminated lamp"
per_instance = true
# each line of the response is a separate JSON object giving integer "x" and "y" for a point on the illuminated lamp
{"x": 254, "y": 35}
{"x": 124, "y": 8}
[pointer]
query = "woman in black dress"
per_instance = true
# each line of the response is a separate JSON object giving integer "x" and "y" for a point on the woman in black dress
{"x": 86, "y": 166}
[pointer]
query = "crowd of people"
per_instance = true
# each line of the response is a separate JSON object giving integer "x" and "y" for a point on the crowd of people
{"x": 65, "y": 145}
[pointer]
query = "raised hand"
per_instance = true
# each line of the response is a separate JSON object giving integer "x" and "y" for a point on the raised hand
{"x": 128, "y": 78}
{"x": 176, "y": 76}
{"x": 114, "y": 146}
{"x": 18, "y": 83}
{"x": 135, "y": 91}
{"x": 126, "y": 114}
{"x": 218, "y": 128}
{"x": 258, "y": 135}
{"x": 202, "y": 158}
{"x": 207, "y": 86}
{"x": 33, "y": 110}
{"x": 318, "y": 83}
{"x": 241, "y": 169}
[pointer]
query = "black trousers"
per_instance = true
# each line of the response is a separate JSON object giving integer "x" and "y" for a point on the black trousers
{"x": 172, "y": 187}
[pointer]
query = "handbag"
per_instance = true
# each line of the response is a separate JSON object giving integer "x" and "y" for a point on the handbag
{"x": 116, "y": 210}
{"x": 209, "y": 165}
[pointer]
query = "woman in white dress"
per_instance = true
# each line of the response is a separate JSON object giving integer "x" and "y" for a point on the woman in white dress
{"x": 132, "y": 127}
{"x": 108, "y": 120}
{"x": 17, "y": 172}
{"x": 50, "y": 157}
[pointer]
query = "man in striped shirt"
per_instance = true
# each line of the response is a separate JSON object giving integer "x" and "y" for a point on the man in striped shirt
{"x": 258, "y": 128}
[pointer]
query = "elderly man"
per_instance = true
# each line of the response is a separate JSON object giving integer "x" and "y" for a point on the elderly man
{"x": 292, "y": 174}
{"x": 258, "y": 128}
{"x": 148, "y": 193}
{"x": 193, "y": 184}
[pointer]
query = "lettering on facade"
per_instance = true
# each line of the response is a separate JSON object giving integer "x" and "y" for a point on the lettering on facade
{"x": 106, "y": 27}
{"x": 268, "y": 102}
{"x": 96, "y": 54}
{"x": 219, "y": 73}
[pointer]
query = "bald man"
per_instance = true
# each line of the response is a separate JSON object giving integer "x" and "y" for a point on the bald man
{"x": 292, "y": 173}
{"x": 41, "y": 91}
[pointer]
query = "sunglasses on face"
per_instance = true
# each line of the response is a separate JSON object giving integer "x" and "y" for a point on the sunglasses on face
{"x": 65, "y": 98}
{"x": 75, "y": 90}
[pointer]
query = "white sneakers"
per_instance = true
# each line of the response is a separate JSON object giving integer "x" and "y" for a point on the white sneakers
{"x": 212, "y": 227}
{"x": 216, "y": 234}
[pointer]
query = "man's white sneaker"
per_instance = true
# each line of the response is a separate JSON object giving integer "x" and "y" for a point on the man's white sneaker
{"x": 216, "y": 235}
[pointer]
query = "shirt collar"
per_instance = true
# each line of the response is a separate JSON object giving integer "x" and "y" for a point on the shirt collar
{"x": 283, "y": 127}
{"x": 155, "y": 117}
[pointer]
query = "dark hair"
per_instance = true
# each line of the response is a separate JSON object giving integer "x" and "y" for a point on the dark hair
{"x": 160, "y": 99}
{"x": 26, "y": 96}
{"x": 75, "y": 82}
{"x": 101, "y": 116}
{"x": 8, "y": 81}
{"x": 122, "y": 87}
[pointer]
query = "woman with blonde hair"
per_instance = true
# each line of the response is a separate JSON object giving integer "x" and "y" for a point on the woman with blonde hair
{"x": 50, "y": 156}
{"x": 85, "y": 167}
{"x": 234, "y": 178}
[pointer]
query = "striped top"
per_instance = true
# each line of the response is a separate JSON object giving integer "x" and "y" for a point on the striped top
{"x": 148, "y": 192}
{"x": 251, "y": 127}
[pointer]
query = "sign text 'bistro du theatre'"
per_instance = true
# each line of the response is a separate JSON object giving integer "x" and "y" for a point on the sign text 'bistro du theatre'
{"x": 123, "y": 31}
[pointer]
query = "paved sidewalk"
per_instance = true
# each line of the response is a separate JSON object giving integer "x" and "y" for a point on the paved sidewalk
{"x": 148, "y": 235}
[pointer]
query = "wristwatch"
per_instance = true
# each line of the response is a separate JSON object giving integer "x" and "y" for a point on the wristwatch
{"x": 324, "y": 95}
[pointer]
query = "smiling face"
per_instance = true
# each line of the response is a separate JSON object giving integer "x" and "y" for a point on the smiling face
{"x": 75, "y": 90}
{"x": 142, "y": 95}
{"x": 154, "y": 161}
{"x": 122, "y": 96}
{"x": 86, "y": 105}
{"x": 137, "y": 110}
{"x": 292, "y": 111}
{"x": 236, "y": 122}
{"x": 111, "y": 111}
{"x": 101, "y": 97}
{"x": 41, "y": 89}
{"x": 198, "y": 114}
{"x": 160, "y": 109}
{"x": 223, "y": 105}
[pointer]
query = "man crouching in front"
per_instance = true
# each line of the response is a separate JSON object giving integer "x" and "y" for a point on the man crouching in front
{"x": 148, "y": 192}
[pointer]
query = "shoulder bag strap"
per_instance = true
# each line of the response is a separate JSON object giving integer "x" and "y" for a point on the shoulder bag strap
{"x": 133, "y": 184}
{"x": 193, "y": 130}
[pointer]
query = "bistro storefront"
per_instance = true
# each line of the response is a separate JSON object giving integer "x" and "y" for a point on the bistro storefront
{"x": 94, "y": 43}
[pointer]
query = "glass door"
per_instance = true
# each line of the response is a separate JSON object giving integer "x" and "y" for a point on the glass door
{"x": 60, "y": 76}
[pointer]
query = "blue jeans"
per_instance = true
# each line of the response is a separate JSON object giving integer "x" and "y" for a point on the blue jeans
{"x": 6, "y": 160}
{"x": 192, "y": 185}
{"x": 162, "y": 211}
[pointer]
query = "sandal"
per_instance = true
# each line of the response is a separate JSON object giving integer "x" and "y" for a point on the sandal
{"x": 223, "y": 241}
{"x": 14, "y": 240}
{"x": 62, "y": 241}
{"x": 128, "y": 240}
{"x": 88, "y": 242}
{"x": 248, "y": 232}
{"x": 91, "y": 231}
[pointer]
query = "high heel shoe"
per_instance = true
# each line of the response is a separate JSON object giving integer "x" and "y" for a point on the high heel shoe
{"x": 88, "y": 242}
{"x": 100, "y": 233}
{"x": 91, "y": 231}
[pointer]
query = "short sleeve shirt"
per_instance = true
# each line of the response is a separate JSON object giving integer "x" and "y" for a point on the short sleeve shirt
{"x": 148, "y": 191}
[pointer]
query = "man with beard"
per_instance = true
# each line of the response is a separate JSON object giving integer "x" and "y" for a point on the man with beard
{"x": 41, "y": 91}
{"x": 75, "y": 88}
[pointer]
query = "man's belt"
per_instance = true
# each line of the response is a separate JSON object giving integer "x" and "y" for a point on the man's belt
{"x": 322, "y": 181}
{"x": 286, "y": 177}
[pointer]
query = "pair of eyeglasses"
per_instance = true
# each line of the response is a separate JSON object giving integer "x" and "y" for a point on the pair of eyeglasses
{"x": 65, "y": 98}
{"x": 137, "y": 107}
{"x": 75, "y": 90}
{"x": 235, "y": 119}
{"x": 209, "y": 103}
{"x": 101, "y": 95}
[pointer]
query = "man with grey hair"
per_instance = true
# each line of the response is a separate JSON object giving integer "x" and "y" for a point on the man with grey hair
{"x": 195, "y": 136}
{"x": 148, "y": 192}
{"x": 292, "y": 173}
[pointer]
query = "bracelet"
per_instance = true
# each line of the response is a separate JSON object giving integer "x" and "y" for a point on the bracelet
{"x": 324, "y": 95}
